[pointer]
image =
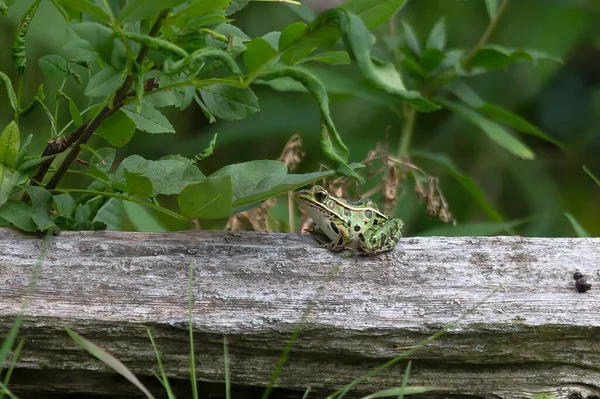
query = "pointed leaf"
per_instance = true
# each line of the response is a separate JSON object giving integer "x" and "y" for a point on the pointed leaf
{"x": 141, "y": 218}
{"x": 41, "y": 200}
{"x": 329, "y": 57}
{"x": 8, "y": 181}
{"x": 228, "y": 102}
{"x": 437, "y": 36}
{"x": 331, "y": 143}
{"x": 117, "y": 129}
{"x": 373, "y": 12}
{"x": 79, "y": 6}
{"x": 10, "y": 140}
{"x": 12, "y": 97}
{"x": 138, "y": 184}
{"x": 493, "y": 130}
{"x": 492, "y": 8}
{"x": 19, "y": 214}
{"x": 136, "y": 10}
{"x": 149, "y": 119}
{"x": 105, "y": 82}
{"x": 259, "y": 54}
{"x": 209, "y": 199}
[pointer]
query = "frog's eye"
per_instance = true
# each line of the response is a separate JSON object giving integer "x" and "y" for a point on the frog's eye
{"x": 321, "y": 195}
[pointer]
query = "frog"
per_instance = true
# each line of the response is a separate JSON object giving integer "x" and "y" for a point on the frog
{"x": 356, "y": 225}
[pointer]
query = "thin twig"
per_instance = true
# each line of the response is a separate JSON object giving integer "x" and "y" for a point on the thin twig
{"x": 486, "y": 35}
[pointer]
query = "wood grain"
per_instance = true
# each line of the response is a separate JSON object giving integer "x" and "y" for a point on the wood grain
{"x": 537, "y": 334}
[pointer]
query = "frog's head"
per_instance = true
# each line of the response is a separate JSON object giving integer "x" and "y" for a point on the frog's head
{"x": 319, "y": 204}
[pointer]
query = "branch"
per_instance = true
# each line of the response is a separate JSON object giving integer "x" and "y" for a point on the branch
{"x": 82, "y": 134}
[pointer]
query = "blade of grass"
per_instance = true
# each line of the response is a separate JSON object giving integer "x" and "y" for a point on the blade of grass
{"x": 405, "y": 379}
{"x": 288, "y": 348}
{"x": 339, "y": 394}
{"x": 408, "y": 391}
{"x": 163, "y": 376}
{"x": 11, "y": 366}
{"x": 8, "y": 342}
{"x": 191, "y": 331}
{"x": 579, "y": 229}
{"x": 591, "y": 175}
{"x": 109, "y": 360}
{"x": 4, "y": 389}
{"x": 306, "y": 393}
{"x": 226, "y": 361}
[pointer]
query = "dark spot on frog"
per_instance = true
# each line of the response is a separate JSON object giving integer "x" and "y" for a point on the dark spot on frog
{"x": 340, "y": 241}
{"x": 375, "y": 222}
{"x": 347, "y": 212}
{"x": 383, "y": 237}
{"x": 334, "y": 228}
{"x": 356, "y": 227}
{"x": 368, "y": 214}
{"x": 349, "y": 222}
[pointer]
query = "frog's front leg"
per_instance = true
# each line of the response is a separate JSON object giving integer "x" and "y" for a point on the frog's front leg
{"x": 382, "y": 237}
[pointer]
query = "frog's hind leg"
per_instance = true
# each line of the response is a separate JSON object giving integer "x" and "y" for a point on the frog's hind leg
{"x": 382, "y": 238}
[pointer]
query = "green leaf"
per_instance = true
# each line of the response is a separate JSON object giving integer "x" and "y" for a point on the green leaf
{"x": 54, "y": 66}
{"x": 411, "y": 38}
{"x": 493, "y": 130}
{"x": 41, "y": 200}
{"x": 467, "y": 182}
{"x": 18, "y": 46}
{"x": 492, "y": 8}
{"x": 329, "y": 57}
{"x": 117, "y": 129}
{"x": 138, "y": 184}
{"x": 28, "y": 167}
{"x": 8, "y": 181}
{"x": 208, "y": 151}
{"x": 101, "y": 163}
{"x": 579, "y": 229}
{"x": 108, "y": 359}
{"x": 493, "y": 56}
{"x": 250, "y": 178}
{"x": 236, "y": 5}
{"x": 23, "y": 151}
{"x": 228, "y": 102}
{"x": 209, "y": 199}
{"x": 149, "y": 119}
{"x": 292, "y": 52}
{"x": 169, "y": 175}
{"x": 437, "y": 36}
{"x": 137, "y": 10}
{"x": 395, "y": 392}
{"x": 12, "y": 97}
{"x": 373, "y": 12}
{"x": 470, "y": 96}
{"x": 64, "y": 205}
{"x": 474, "y": 229}
{"x": 431, "y": 59}
{"x": 290, "y": 182}
{"x": 92, "y": 40}
{"x": 104, "y": 83}
{"x": 196, "y": 9}
{"x": 331, "y": 142}
{"x": 19, "y": 214}
{"x": 259, "y": 54}
{"x": 10, "y": 140}
{"x": 591, "y": 175}
{"x": 79, "y": 6}
{"x": 358, "y": 42}
{"x": 141, "y": 218}
{"x": 75, "y": 114}
{"x": 111, "y": 214}
{"x": 503, "y": 115}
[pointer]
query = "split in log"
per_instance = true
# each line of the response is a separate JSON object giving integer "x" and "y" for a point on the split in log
{"x": 537, "y": 334}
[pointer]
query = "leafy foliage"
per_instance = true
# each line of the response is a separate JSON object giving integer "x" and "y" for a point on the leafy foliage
{"x": 132, "y": 62}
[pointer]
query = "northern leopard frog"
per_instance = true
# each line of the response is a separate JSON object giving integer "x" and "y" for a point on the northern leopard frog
{"x": 358, "y": 225}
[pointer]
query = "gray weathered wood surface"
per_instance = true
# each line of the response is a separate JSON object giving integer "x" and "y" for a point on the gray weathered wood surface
{"x": 537, "y": 334}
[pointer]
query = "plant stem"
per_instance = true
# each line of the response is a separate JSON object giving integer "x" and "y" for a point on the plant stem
{"x": 121, "y": 197}
{"x": 486, "y": 35}
{"x": 107, "y": 111}
{"x": 407, "y": 131}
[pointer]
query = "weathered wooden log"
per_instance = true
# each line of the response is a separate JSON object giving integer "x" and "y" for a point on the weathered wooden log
{"x": 537, "y": 334}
